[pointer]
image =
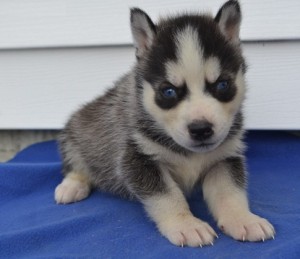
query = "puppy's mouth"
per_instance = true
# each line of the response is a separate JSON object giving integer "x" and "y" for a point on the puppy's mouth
{"x": 206, "y": 146}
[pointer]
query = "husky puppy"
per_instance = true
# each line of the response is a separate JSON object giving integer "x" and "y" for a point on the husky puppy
{"x": 172, "y": 123}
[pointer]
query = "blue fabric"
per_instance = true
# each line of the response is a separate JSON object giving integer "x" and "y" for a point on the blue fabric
{"x": 105, "y": 226}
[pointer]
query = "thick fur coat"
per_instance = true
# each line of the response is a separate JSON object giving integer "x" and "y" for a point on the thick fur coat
{"x": 173, "y": 123}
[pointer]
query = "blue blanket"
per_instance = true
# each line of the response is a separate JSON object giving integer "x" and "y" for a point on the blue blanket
{"x": 105, "y": 226}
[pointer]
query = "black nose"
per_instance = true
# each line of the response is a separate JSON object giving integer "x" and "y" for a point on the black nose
{"x": 200, "y": 130}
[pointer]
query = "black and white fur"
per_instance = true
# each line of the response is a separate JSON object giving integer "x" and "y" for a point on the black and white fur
{"x": 143, "y": 141}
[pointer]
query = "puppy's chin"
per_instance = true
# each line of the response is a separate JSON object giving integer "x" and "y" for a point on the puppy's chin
{"x": 201, "y": 147}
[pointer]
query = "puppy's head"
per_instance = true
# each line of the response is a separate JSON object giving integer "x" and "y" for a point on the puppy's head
{"x": 191, "y": 72}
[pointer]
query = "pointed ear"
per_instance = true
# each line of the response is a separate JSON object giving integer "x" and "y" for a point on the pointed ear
{"x": 229, "y": 19}
{"x": 143, "y": 31}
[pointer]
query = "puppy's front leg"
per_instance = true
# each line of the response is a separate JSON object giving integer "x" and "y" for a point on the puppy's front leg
{"x": 224, "y": 191}
{"x": 164, "y": 202}
{"x": 175, "y": 221}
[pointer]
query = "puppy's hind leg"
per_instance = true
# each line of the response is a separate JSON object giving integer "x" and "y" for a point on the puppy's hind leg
{"x": 75, "y": 186}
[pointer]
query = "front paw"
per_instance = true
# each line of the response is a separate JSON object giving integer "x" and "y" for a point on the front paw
{"x": 248, "y": 227}
{"x": 71, "y": 190}
{"x": 187, "y": 230}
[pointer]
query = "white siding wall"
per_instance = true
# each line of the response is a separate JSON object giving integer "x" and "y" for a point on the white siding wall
{"x": 58, "y": 54}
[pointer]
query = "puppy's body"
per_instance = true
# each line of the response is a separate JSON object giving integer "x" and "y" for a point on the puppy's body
{"x": 173, "y": 122}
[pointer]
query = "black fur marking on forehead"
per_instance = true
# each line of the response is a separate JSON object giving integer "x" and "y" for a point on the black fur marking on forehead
{"x": 162, "y": 51}
{"x": 211, "y": 40}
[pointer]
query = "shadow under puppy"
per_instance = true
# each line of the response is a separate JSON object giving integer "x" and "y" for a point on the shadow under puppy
{"x": 172, "y": 123}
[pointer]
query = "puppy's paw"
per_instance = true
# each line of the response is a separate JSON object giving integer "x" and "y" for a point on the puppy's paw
{"x": 187, "y": 230}
{"x": 249, "y": 227}
{"x": 71, "y": 190}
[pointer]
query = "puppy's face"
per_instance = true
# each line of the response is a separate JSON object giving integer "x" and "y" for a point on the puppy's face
{"x": 192, "y": 74}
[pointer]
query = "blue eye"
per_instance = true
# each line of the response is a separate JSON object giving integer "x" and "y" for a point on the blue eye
{"x": 169, "y": 92}
{"x": 222, "y": 85}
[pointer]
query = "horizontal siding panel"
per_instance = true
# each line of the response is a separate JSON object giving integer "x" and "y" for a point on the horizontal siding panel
{"x": 56, "y": 23}
{"x": 40, "y": 88}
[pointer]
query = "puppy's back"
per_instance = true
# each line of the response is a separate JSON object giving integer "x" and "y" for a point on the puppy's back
{"x": 92, "y": 139}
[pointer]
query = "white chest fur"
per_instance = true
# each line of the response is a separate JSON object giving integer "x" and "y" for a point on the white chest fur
{"x": 186, "y": 170}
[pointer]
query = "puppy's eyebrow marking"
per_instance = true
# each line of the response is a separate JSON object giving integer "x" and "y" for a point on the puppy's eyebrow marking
{"x": 212, "y": 69}
{"x": 174, "y": 73}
